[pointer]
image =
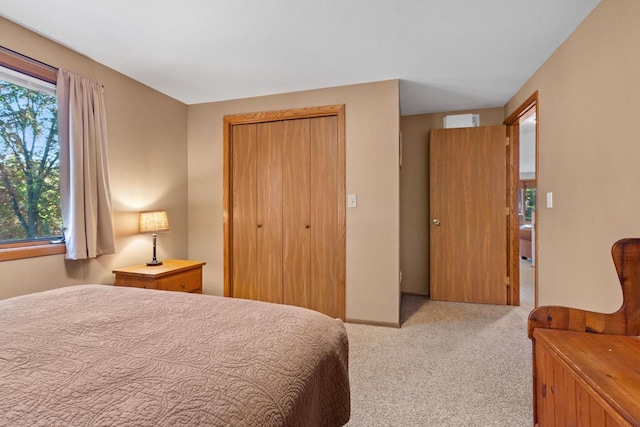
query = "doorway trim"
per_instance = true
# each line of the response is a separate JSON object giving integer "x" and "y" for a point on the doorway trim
{"x": 513, "y": 244}
{"x": 227, "y": 202}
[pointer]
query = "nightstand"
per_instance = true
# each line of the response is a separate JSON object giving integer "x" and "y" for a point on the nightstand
{"x": 172, "y": 275}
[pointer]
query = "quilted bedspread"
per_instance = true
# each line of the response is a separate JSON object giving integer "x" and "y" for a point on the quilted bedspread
{"x": 98, "y": 355}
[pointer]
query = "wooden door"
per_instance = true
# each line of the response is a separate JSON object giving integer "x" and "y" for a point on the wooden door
{"x": 269, "y": 212}
{"x": 310, "y": 213}
{"x": 325, "y": 212}
{"x": 245, "y": 216}
{"x": 468, "y": 210}
{"x": 296, "y": 213}
{"x": 257, "y": 222}
{"x": 284, "y": 205}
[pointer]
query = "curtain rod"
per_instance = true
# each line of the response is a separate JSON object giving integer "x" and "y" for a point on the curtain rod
{"x": 26, "y": 65}
{"x": 40, "y": 70}
{"x": 28, "y": 58}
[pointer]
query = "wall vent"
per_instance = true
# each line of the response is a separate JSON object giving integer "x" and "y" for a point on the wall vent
{"x": 462, "y": 121}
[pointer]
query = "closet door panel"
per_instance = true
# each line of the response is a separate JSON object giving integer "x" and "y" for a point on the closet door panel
{"x": 324, "y": 216}
{"x": 244, "y": 210}
{"x": 269, "y": 211}
{"x": 296, "y": 212}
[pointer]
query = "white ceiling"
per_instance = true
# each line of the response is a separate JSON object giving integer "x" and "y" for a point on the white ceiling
{"x": 448, "y": 54}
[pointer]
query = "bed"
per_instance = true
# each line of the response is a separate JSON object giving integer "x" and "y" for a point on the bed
{"x": 96, "y": 355}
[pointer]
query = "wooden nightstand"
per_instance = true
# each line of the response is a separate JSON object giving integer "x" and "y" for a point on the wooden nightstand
{"x": 172, "y": 275}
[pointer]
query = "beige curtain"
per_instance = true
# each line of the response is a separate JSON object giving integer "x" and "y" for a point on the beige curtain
{"x": 84, "y": 174}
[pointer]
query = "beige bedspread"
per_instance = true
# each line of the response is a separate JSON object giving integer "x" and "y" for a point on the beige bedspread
{"x": 97, "y": 355}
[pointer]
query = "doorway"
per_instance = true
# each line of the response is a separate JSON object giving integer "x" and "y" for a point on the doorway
{"x": 522, "y": 128}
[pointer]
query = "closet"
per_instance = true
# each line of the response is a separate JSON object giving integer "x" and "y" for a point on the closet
{"x": 284, "y": 208}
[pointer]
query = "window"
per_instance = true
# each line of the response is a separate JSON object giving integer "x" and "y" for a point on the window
{"x": 529, "y": 203}
{"x": 527, "y": 199}
{"x": 30, "y": 214}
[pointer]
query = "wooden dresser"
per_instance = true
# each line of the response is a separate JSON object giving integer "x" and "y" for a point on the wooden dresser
{"x": 587, "y": 379}
{"x": 586, "y": 365}
{"x": 172, "y": 275}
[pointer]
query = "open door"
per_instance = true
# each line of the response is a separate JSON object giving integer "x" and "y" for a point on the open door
{"x": 523, "y": 152}
{"x": 469, "y": 215}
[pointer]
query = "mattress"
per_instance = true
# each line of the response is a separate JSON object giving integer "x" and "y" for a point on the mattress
{"x": 95, "y": 355}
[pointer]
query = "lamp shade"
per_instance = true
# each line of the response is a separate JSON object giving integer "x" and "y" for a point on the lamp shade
{"x": 153, "y": 222}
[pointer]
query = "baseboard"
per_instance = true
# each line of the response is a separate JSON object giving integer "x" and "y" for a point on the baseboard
{"x": 374, "y": 323}
{"x": 415, "y": 294}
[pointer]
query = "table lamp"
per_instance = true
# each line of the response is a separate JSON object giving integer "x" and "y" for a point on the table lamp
{"x": 153, "y": 222}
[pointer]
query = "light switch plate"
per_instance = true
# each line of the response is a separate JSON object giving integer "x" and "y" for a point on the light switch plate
{"x": 549, "y": 199}
{"x": 352, "y": 201}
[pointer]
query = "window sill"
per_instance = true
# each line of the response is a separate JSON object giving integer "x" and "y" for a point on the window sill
{"x": 31, "y": 251}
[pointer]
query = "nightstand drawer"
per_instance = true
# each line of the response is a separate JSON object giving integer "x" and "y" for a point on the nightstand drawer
{"x": 187, "y": 281}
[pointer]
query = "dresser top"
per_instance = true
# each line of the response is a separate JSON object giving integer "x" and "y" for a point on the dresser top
{"x": 169, "y": 266}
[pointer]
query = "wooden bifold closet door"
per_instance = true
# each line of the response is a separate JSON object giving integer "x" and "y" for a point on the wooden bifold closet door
{"x": 287, "y": 213}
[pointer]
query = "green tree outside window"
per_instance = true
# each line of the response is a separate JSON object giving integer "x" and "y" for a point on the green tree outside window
{"x": 29, "y": 164}
{"x": 529, "y": 202}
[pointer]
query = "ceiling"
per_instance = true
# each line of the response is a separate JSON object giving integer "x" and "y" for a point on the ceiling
{"x": 448, "y": 55}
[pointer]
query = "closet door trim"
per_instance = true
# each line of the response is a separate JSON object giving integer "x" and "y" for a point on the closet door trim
{"x": 270, "y": 116}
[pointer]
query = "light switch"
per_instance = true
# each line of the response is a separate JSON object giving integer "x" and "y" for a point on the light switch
{"x": 352, "y": 201}
{"x": 549, "y": 199}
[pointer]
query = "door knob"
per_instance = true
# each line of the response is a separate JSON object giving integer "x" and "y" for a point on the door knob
{"x": 436, "y": 221}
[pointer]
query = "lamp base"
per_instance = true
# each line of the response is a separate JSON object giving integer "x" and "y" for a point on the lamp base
{"x": 154, "y": 262}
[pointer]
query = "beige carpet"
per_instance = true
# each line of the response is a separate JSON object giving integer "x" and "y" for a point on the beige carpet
{"x": 450, "y": 364}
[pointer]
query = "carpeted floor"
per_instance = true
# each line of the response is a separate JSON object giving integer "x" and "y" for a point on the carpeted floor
{"x": 450, "y": 364}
